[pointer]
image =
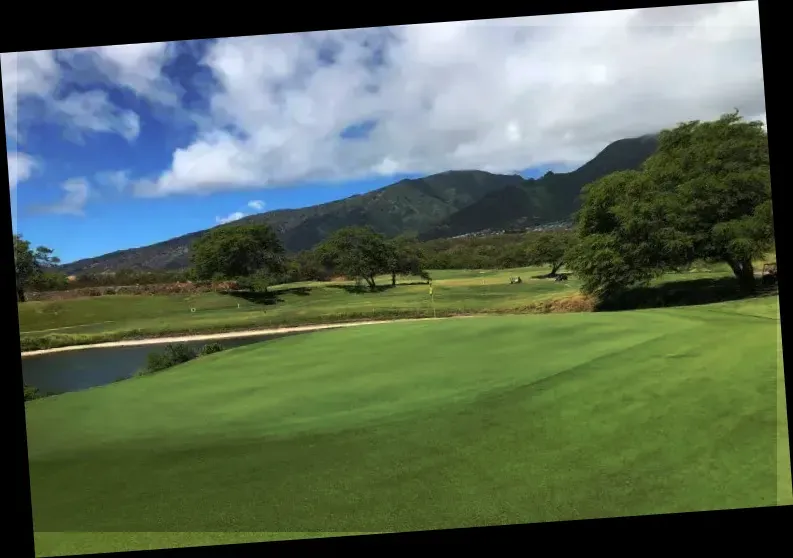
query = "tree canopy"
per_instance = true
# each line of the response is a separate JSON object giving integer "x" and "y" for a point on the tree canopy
{"x": 705, "y": 194}
{"x": 234, "y": 251}
{"x": 357, "y": 252}
{"x": 548, "y": 247}
{"x": 405, "y": 257}
{"x": 30, "y": 265}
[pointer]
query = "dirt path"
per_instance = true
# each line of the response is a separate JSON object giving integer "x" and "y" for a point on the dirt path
{"x": 228, "y": 335}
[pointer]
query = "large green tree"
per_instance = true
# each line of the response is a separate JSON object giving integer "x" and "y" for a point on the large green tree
{"x": 405, "y": 257}
{"x": 721, "y": 175}
{"x": 30, "y": 265}
{"x": 705, "y": 194}
{"x": 357, "y": 252}
{"x": 548, "y": 248}
{"x": 624, "y": 236}
{"x": 235, "y": 251}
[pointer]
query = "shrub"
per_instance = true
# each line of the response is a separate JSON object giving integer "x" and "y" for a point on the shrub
{"x": 31, "y": 393}
{"x": 172, "y": 355}
{"x": 210, "y": 348}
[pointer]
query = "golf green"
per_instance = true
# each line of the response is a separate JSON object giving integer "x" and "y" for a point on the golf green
{"x": 422, "y": 425}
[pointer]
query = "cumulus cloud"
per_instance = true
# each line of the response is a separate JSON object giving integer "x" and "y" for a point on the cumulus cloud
{"x": 20, "y": 168}
{"x": 500, "y": 94}
{"x": 75, "y": 196}
{"x": 41, "y": 85}
{"x": 256, "y": 205}
{"x": 25, "y": 75}
{"x": 237, "y": 215}
{"x": 93, "y": 112}
{"x": 137, "y": 67}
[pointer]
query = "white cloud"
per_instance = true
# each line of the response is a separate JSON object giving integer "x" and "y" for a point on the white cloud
{"x": 76, "y": 192}
{"x": 36, "y": 87}
{"x": 229, "y": 218}
{"x": 137, "y": 67}
{"x": 20, "y": 168}
{"x": 92, "y": 111}
{"x": 499, "y": 94}
{"x": 256, "y": 205}
{"x": 25, "y": 75}
{"x": 118, "y": 180}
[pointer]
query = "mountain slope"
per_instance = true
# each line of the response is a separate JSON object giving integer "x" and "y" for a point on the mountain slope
{"x": 408, "y": 205}
{"x": 445, "y": 204}
{"x": 551, "y": 198}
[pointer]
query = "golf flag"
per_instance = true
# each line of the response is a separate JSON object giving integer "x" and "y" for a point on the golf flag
{"x": 430, "y": 290}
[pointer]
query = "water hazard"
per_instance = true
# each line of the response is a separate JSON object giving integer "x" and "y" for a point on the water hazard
{"x": 85, "y": 368}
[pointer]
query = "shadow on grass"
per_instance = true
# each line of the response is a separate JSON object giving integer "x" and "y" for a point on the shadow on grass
{"x": 684, "y": 293}
{"x": 268, "y": 298}
{"x": 299, "y": 291}
{"x": 361, "y": 289}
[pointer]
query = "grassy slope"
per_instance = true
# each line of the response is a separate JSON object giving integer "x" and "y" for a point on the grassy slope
{"x": 420, "y": 425}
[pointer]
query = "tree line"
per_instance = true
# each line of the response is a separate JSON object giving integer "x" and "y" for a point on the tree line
{"x": 253, "y": 256}
{"x": 704, "y": 195}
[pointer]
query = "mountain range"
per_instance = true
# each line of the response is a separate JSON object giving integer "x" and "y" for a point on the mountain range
{"x": 440, "y": 205}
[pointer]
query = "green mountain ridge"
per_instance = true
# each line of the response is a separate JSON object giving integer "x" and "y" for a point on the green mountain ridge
{"x": 440, "y": 205}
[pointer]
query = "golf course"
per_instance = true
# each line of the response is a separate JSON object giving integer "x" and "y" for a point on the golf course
{"x": 411, "y": 425}
{"x": 89, "y": 320}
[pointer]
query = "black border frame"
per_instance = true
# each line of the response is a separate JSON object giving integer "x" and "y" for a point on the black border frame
{"x": 716, "y": 529}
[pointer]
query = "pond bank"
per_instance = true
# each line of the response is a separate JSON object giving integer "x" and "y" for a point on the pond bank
{"x": 220, "y": 336}
{"x": 66, "y": 369}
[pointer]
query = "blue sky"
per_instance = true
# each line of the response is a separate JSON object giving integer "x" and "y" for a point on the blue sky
{"x": 117, "y": 147}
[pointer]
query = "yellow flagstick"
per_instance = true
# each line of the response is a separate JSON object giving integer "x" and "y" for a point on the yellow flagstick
{"x": 432, "y": 300}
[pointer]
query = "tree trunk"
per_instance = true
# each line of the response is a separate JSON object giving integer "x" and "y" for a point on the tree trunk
{"x": 20, "y": 294}
{"x": 393, "y": 279}
{"x": 744, "y": 272}
{"x": 555, "y": 268}
{"x": 370, "y": 282}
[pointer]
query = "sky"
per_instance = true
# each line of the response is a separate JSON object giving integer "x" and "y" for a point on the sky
{"x": 121, "y": 146}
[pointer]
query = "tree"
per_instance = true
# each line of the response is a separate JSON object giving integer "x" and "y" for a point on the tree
{"x": 705, "y": 193}
{"x": 236, "y": 251}
{"x": 721, "y": 174}
{"x": 623, "y": 237}
{"x": 49, "y": 280}
{"x": 405, "y": 257}
{"x": 308, "y": 267}
{"x": 549, "y": 248}
{"x": 30, "y": 264}
{"x": 357, "y": 252}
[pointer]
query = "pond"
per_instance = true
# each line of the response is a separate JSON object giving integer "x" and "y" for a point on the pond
{"x": 85, "y": 368}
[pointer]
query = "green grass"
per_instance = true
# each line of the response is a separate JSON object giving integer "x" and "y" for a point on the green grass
{"x": 420, "y": 425}
{"x": 48, "y": 324}
{"x": 115, "y": 317}
{"x": 68, "y": 544}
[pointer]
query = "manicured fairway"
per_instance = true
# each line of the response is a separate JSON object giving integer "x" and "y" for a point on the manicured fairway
{"x": 420, "y": 425}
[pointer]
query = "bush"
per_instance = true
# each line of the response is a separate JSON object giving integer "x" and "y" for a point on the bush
{"x": 210, "y": 348}
{"x": 172, "y": 355}
{"x": 31, "y": 393}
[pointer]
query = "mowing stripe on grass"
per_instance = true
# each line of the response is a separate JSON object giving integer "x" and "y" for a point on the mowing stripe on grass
{"x": 424, "y": 425}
